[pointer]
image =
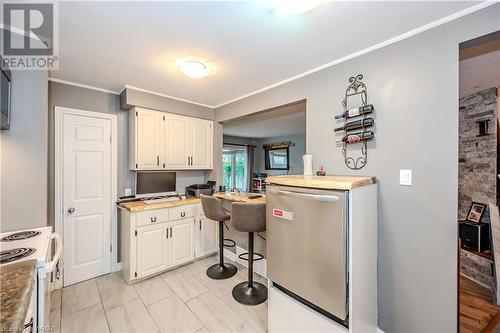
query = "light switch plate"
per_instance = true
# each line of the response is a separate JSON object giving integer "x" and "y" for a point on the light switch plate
{"x": 128, "y": 191}
{"x": 405, "y": 177}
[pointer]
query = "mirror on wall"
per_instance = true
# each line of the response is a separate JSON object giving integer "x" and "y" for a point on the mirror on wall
{"x": 277, "y": 158}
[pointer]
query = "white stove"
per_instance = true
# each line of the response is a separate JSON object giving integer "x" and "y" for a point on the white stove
{"x": 17, "y": 246}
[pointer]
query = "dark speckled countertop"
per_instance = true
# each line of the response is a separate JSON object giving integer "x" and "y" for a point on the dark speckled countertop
{"x": 16, "y": 284}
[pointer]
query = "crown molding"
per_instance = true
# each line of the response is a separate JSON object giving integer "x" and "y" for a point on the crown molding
{"x": 169, "y": 96}
{"x": 85, "y": 86}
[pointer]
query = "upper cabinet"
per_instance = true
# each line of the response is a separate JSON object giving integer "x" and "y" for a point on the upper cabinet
{"x": 165, "y": 141}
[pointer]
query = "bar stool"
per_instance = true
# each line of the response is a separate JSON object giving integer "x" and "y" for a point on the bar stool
{"x": 212, "y": 208}
{"x": 249, "y": 217}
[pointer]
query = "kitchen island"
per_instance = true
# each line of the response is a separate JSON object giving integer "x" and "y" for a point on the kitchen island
{"x": 239, "y": 197}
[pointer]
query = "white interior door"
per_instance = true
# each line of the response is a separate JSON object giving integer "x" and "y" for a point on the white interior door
{"x": 86, "y": 149}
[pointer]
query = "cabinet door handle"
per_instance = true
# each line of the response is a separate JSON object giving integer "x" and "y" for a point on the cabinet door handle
{"x": 170, "y": 232}
{"x": 200, "y": 224}
{"x": 157, "y": 160}
{"x": 153, "y": 218}
{"x": 183, "y": 214}
{"x": 167, "y": 233}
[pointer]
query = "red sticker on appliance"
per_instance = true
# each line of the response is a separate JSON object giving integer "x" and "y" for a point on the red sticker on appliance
{"x": 282, "y": 214}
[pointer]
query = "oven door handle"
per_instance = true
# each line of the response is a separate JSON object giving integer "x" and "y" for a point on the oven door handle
{"x": 59, "y": 247}
{"x": 307, "y": 196}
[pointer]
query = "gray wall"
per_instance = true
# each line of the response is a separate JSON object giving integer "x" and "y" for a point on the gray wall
{"x": 295, "y": 154}
{"x": 23, "y": 157}
{"x": 414, "y": 87}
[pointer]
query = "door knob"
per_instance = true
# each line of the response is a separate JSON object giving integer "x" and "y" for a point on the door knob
{"x": 71, "y": 210}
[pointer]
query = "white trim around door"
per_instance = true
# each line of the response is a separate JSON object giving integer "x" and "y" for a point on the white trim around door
{"x": 59, "y": 212}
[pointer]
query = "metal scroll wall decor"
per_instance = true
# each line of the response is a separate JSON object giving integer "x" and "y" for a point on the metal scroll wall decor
{"x": 357, "y": 121}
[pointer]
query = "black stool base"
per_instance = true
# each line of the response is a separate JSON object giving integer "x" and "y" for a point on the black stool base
{"x": 218, "y": 272}
{"x": 250, "y": 295}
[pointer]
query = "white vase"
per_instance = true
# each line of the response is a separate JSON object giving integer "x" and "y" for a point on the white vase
{"x": 308, "y": 168}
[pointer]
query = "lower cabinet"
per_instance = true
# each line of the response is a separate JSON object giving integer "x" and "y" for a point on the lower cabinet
{"x": 207, "y": 241}
{"x": 157, "y": 246}
{"x": 152, "y": 249}
{"x": 181, "y": 242}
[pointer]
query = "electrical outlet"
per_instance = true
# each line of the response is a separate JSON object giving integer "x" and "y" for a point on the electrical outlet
{"x": 405, "y": 177}
{"x": 128, "y": 191}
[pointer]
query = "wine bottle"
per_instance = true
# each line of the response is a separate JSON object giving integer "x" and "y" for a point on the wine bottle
{"x": 357, "y": 137}
{"x": 366, "y": 109}
{"x": 362, "y": 123}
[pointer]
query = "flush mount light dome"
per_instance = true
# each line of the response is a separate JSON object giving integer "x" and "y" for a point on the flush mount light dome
{"x": 293, "y": 7}
{"x": 193, "y": 68}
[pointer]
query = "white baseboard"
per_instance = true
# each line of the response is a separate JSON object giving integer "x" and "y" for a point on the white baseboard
{"x": 259, "y": 267}
{"x": 379, "y": 330}
{"x": 117, "y": 266}
{"x": 230, "y": 255}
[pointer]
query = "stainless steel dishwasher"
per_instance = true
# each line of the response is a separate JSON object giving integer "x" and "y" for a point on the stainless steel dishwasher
{"x": 307, "y": 247}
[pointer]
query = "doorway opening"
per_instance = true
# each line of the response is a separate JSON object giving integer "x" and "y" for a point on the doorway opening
{"x": 271, "y": 142}
{"x": 478, "y": 186}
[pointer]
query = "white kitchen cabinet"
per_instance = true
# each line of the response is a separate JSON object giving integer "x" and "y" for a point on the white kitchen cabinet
{"x": 207, "y": 237}
{"x": 176, "y": 142}
{"x": 156, "y": 240}
{"x": 152, "y": 249}
{"x": 165, "y": 141}
{"x": 181, "y": 242}
{"x": 200, "y": 142}
{"x": 147, "y": 132}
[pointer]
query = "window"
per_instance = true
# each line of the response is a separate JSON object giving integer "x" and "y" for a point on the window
{"x": 234, "y": 163}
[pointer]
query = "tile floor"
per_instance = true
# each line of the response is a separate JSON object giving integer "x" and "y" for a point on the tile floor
{"x": 181, "y": 300}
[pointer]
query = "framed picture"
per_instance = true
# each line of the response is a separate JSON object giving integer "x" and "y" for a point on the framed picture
{"x": 476, "y": 212}
{"x": 277, "y": 158}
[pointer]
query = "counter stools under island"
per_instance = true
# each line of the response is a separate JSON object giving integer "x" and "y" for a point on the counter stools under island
{"x": 212, "y": 208}
{"x": 249, "y": 217}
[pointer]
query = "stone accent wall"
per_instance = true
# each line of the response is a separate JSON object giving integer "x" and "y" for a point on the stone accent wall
{"x": 477, "y": 158}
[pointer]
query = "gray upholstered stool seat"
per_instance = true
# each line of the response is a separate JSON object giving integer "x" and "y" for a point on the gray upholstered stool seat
{"x": 212, "y": 208}
{"x": 249, "y": 217}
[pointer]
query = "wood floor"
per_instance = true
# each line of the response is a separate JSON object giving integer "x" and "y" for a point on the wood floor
{"x": 477, "y": 312}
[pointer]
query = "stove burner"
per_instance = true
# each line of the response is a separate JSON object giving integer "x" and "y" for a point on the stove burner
{"x": 7, "y": 256}
{"x": 20, "y": 236}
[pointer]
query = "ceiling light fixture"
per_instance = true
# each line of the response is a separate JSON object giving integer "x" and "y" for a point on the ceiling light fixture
{"x": 293, "y": 7}
{"x": 194, "y": 68}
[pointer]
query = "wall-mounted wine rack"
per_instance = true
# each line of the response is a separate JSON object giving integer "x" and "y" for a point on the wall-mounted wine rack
{"x": 357, "y": 122}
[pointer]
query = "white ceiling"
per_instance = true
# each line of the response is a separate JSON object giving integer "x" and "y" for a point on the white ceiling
{"x": 479, "y": 73}
{"x": 287, "y": 120}
{"x": 116, "y": 43}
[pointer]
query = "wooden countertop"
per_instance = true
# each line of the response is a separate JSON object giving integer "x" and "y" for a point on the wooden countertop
{"x": 322, "y": 182}
{"x": 16, "y": 284}
{"x": 138, "y": 206}
{"x": 235, "y": 197}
